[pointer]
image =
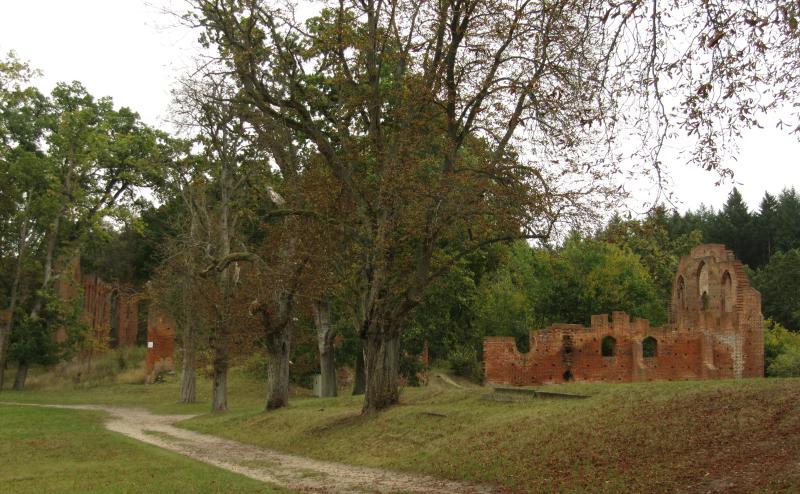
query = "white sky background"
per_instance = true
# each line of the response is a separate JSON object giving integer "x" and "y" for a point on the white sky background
{"x": 129, "y": 50}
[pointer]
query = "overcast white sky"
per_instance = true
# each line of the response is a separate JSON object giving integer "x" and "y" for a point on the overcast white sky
{"x": 128, "y": 50}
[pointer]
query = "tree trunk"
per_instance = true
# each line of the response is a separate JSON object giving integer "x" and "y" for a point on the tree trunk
{"x": 5, "y": 331}
{"x": 22, "y": 374}
{"x": 327, "y": 366}
{"x": 278, "y": 368}
{"x": 8, "y": 327}
{"x": 381, "y": 369}
{"x": 360, "y": 384}
{"x": 325, "y": 336}
{"x": 52, "y": 241}
{"x": 221, "y": 340}
{"x": 189, "y": 375}
{"x": 219, "y": 390}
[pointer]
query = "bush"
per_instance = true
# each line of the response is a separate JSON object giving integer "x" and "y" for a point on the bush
{"x": 133, "y": 376}
{"x": 464, "y": 362}
{"x": 410, "y": 368}
{"x": 785, "y": 365}
{"x": 123, "y": 365}
{"x": 255, "y": 365}
{"x": 781, "y": 350}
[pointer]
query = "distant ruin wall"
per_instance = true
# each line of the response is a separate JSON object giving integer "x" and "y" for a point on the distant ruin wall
{"x": 110, "y": 310}
{"x": 160, "y": 342}
{"x": 715, "y": 331}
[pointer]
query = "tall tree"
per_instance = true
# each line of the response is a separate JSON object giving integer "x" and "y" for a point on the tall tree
{"x": 215, "y": 189}
{"x": 777, "y": 282}
{"x": 94, "y": 157}
{"x": 788, "y": 217}
{"x": 23, "y": 178}
{"x": 766, "y": 227}
{"x": 442, "y": 121}
{"x": 734, "y": 227}
{"x": 658, "y": 245}
{"x": 393, "y": 108}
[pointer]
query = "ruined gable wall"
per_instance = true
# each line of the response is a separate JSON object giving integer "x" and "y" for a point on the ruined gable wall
{"x": 729, "y": 313}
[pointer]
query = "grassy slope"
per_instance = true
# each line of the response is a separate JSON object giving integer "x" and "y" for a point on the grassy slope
{"x": 51, "y": 450}
{"x": 694, "y": 436}
{"x": 723, "y": 436}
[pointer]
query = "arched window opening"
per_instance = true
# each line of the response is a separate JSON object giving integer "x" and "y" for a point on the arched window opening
{"x": 567, "y": 375}
{"x": 727, "y": 292}
{"x": 649, "y": 347}
{"x": 681, "y": 293}
{"x": 702, "y": 285}
{"x": 608, "y": 346}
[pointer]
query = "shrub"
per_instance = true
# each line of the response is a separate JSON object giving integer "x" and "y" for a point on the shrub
{"x": 464, "y": 362}
{"x": 118, "y": 365}
{"x": 785, "y": 365}
{"x": 255, "y": 365}
{"x": 137, "y": 375}
{"x": 410, "y": 368}
{"x": 781, "y": 350}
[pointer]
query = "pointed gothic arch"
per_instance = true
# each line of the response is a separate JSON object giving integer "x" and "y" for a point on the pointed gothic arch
{"x": 727, "y": 292}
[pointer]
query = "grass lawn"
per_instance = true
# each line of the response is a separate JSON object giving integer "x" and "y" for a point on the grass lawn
{"x": 52, "y": 450}
{"x": 701, "y": 436}
{"x": 162, "y": 398}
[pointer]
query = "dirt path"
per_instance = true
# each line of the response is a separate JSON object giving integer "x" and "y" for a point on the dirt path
{"x": 281, "y": 469}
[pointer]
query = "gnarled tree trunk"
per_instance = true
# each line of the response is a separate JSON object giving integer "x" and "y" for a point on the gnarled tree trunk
{"x": 381, "y": 368}
{"x": 278, "y": 347}
{"x": 360, "y": 384}
{"x": 221, "y": 341}
{"x": 219, "y": 385}
{"x": 189, "y": 374}
{"x": 325, "y": 336}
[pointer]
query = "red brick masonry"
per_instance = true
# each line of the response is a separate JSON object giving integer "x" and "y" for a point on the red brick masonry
{"x": 160, "y": 342}
{"x": 111, "y": 312}
{"x": 715, "y": 331}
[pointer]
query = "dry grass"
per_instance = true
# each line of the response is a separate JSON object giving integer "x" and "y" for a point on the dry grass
{"x": 122, "y": 366}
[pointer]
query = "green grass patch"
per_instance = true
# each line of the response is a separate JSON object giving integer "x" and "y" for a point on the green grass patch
{"x": 163, "y": 397}
{"x": 54, "y": 450}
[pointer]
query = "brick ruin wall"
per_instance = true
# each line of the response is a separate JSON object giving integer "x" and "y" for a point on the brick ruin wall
{"x": 160, "y": 342}
{"x": 113, "y": 315}
{"x": 715, "y": 331}
{"x": 111, "y": 312}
